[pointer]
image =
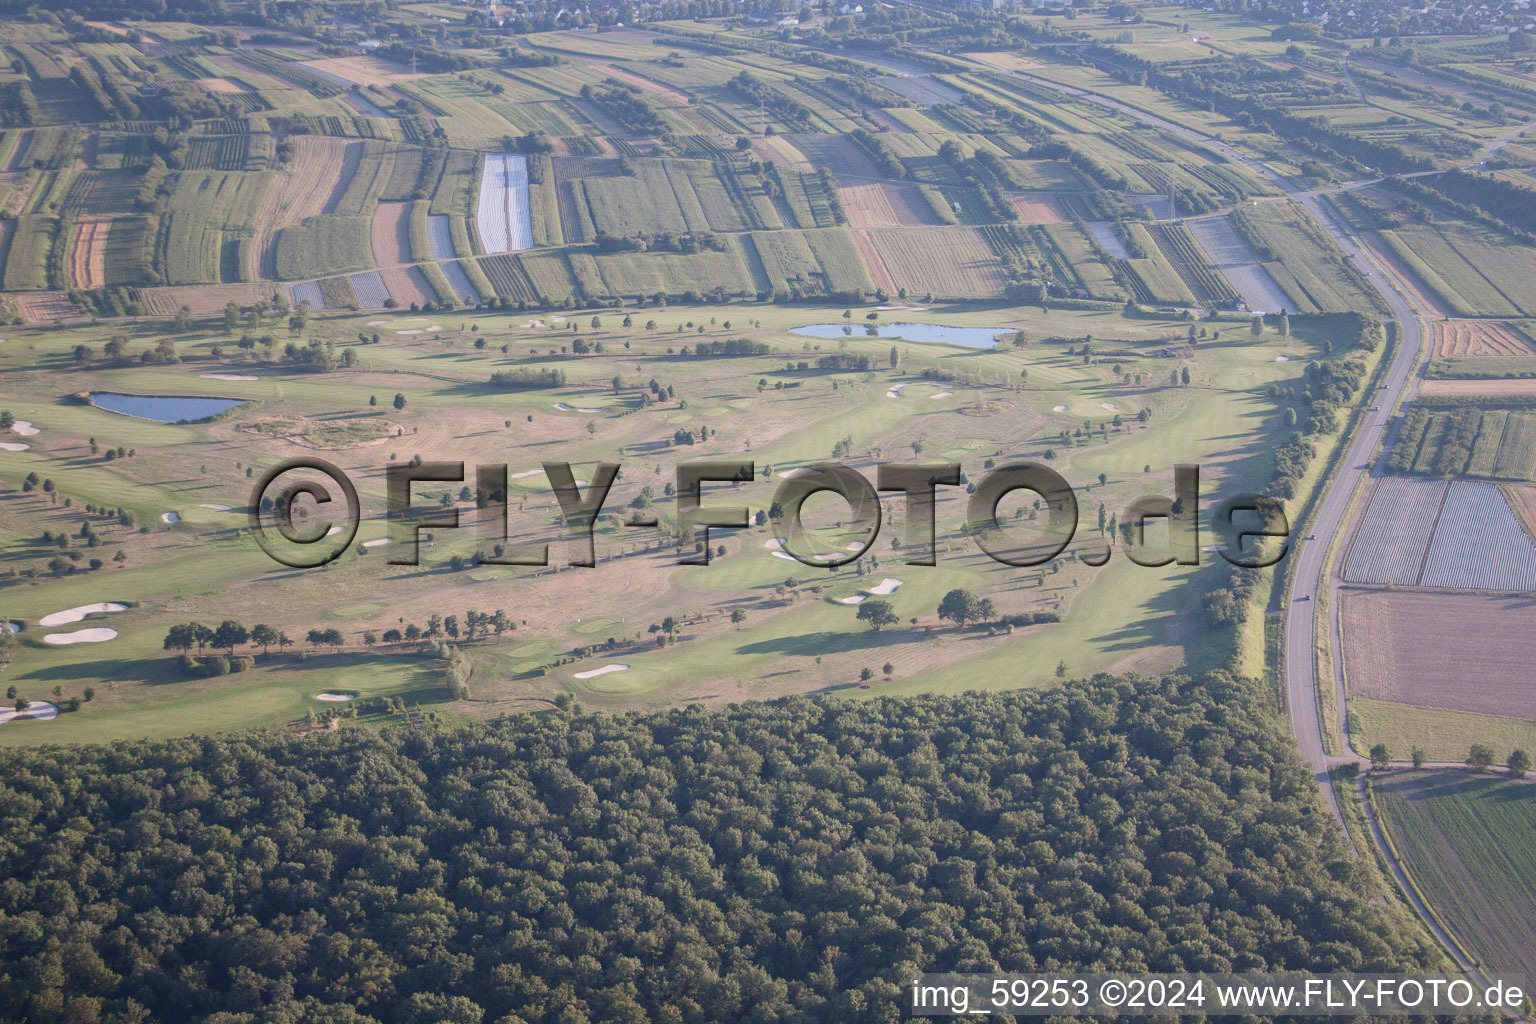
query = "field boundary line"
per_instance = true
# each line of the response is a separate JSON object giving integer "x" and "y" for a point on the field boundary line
{"x": 1445, "y": 494}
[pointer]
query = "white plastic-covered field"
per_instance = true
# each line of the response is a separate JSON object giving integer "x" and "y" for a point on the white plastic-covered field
{"x": 502, "y": 216}
{"x": 440, "y": 235}
{"x": 1390, "y": 544}
{"x": 459, "y": 281}
{"x": 1238, "y": 265}
{"x": 369, "y": 289}
{"x": 308, "y": 291}
{"x": 1479, "y": 543}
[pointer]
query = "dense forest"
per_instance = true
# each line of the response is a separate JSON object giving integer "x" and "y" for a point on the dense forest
{"x": 796, "y": 860}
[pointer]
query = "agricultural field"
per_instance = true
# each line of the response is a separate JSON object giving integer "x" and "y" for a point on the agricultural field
{"x": 1486, "y": 430}
{"x": 1480, "y": 338}
{"x": 1454, "y": 652}
{"x": 1461, "y": 535}
{"x": 1465, "y": 842}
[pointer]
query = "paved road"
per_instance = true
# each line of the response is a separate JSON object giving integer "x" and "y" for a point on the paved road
{"x": 1328, "y": 518}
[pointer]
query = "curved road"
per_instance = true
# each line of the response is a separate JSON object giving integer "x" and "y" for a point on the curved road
{"x": 1329, "y": 517}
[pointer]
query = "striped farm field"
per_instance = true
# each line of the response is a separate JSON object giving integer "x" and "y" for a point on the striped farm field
{"x": 1481, "y": 338}
{"x": 440, "y": 235}
{"x": 1479, "y": 543}
{"x": 502, "y": 217}
{"x": 458, "y": 281}
{"x": 887, "y": 205}
{"x": 953, "y": 262}
{"x": 1467, "y": 440}
{"x": 1450, "y": 651}
{"x": 1465, "y": 840}
{"x": 370, "y": 290}
{"x": 1390, "y": 543}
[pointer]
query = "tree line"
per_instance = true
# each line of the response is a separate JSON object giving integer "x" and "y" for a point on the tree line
{"x": 798, "y": 859}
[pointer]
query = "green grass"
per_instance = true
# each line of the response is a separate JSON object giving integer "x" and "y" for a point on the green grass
{"x": 1465, "y": 840}
{"x": 1444, "y": 735}
{"x": 208, "y": 211}
{"x": 322, "y": 245}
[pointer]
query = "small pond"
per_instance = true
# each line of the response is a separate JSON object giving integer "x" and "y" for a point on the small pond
{"x": 165, "y": 408}
{"x": 970, "y": 337}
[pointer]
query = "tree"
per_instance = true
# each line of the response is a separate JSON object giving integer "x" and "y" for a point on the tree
{"x": 399, "y": 402}
{"x": 1184, "y": 375}
{"x": 1061, "y": 670}
{"x": 738, "y": 616}
{"x": 181, "y": 638}
{"x": 888, "y": 669}
{"x": 230, "y": 635}
{"x": 959, "y": 606}
{"x": 878, "y": 614}
{"x": 1418, "y": 757}
{"x": 1480, "y": 757}
{"x": 1519, "y": 763}
{"x": 7, "y": 642}
{"x": 986, "y": 611}
{"x": 263, "y": 636}
{"x": 866, "y": 674}
{"x": 370, "y": 637}
{"x": 1381, "y": 757}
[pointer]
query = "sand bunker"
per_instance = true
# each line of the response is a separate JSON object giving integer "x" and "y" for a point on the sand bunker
{"x": 565, "y": 408}
{"x": 1111, "y": 406}
{"x": 37, "y": 711}
{"x": 13, "y": 446}
{"x": 789, "y": 558}
{"x": 76, "y": 614}
{"x": 435, "y": 327}
{"x": 411, "y": 330}
{"x": 230, "y": 376}
{"x": 1282, "y": 359}
{"x": 602, "y": 671}
{"x": 81, "y": 636}
{"x": 24, "y": 428}
{"x": 855, "y": 599}
{"x": 377, "y": 323}
{"x": 171, "y": 517}
{"x": 773, "y": 543}
{"x": 526, "y": 473}
{"x": 857, "y": 545}
{"x": 895, "y": 391}
{"x": 215, "y": 506}
{"x": 333, "y": 531}
{"x": 885, "y": 586}
{"x": 380, "y": 542}
{"x": 335, "y": 698}
{"x": 1060, "y": 408}
{"x": 941, "y": 394}
{"x": 798, "y": 471}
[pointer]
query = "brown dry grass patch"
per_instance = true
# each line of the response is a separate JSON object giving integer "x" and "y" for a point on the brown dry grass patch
{"x": 1480, "y": 338}
{"x": 43, "y": 307}
{"x": 220, "y": 85}
{"x": 390, "y": 234}
{"x": 781, "y": 152}
{"x": 1038, "y": 210}
{"x": 887, "y": 205}
{"x": 1461, "y": 652}
{"x": 407, "y": 285}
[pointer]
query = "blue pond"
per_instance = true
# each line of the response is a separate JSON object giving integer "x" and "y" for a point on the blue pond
{"x": 165, "y": 408}
{"x": 970, "y": 337}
